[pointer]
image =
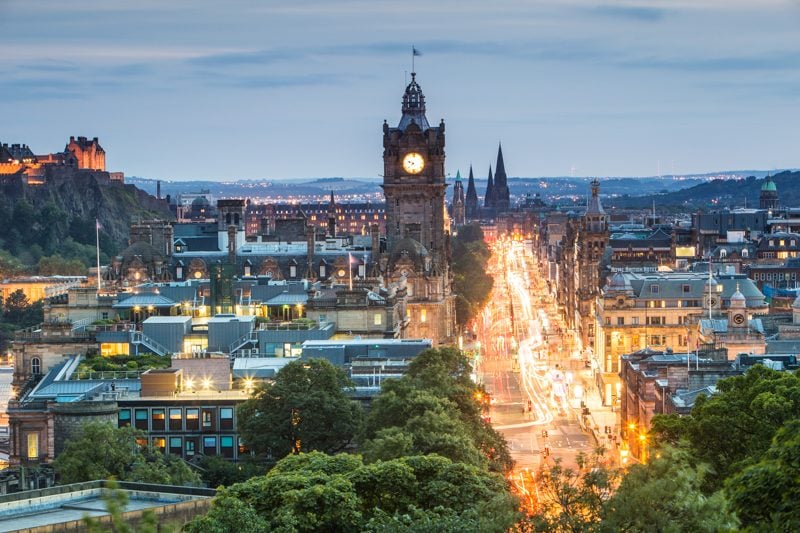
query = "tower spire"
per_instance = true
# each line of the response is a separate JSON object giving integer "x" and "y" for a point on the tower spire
{"x": 488, "y": 200}
{"x": 472, "y": 197}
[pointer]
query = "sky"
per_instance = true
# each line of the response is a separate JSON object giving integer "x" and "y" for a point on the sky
{"x": 194, "y": 89}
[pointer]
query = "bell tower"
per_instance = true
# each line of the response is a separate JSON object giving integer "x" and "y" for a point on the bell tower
{"x": 414, "y": 178}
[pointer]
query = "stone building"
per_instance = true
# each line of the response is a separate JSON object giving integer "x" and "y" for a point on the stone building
{"x": 458, "y": 205}
{"x": 88, "y": 153}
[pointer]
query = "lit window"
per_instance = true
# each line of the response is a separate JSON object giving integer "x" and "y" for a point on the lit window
{"x": 423, "y": 315}
{"x": 33, "y": 446}
{"x": 377, "y": 319}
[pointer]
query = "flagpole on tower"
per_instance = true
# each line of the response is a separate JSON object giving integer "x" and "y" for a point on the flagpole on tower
{"x": 97, "y": 242}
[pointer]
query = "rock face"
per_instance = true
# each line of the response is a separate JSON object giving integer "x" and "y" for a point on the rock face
{"x": 85, "y": 195}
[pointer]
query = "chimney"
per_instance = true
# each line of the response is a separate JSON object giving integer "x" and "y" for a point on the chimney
{"x": 158, "y": 188}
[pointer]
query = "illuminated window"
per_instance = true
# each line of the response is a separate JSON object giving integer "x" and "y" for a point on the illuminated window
{"x": 33, "y": 446}
{"x": 423, "y": 315}
{"x": 160, "y": 444}
{"x": 157, "y": 419}
{"x": 377, "y": 319}
{"x": 198, "y": 275}
{"x": 124, "y": 418}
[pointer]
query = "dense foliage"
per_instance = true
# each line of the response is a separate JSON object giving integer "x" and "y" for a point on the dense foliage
{"x": 434, "y": 409}
{"x": 94, "y": 362}
{"x": 16, "y": 312}
{"x": 471, "y": 284}
{"x": 322, "y": 493}
{"x": 305, "y": 408}
{"x": 103, "y": 451}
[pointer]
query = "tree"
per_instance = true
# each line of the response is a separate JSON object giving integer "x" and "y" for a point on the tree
{"x": 102, "y": 451}
{"x": 434, "y": 408}
{"x": 305, "y": 408}
{"x": 318, "y": 492}
{"x": 765, "y": 494}
{"x": 217, "y": 472}
{"x": 573, "y": 500}
{"x": 734, "y": 427}
{"x": 665, "y": 495}
{"x": 471, "y": 283}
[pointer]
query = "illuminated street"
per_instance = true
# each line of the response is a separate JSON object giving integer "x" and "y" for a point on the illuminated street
{"x": 525, "y": 366}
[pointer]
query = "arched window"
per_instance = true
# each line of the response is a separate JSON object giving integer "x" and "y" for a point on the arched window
{"x": 745, "y": 253}
{"x": 723, "y": 253}
{"x": 36, "y": 366}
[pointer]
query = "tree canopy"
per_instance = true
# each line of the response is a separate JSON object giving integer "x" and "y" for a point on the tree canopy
{"x": 434, "y": 408}
{"x": 305, "y": 408}
{"x": 322, "y": 493}
{"x": 471, "y": 284}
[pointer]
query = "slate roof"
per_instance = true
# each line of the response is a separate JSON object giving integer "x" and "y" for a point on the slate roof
{"x": 145, "y": 300}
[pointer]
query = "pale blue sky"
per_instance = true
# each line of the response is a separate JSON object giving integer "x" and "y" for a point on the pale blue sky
{"x": 294, "y": 89}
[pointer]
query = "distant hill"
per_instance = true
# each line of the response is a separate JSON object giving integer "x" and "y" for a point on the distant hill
{"x": 58, "y": 217}
{"x": 717, "y": 193}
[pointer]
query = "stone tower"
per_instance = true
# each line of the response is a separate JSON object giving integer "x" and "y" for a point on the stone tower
{"x": 768, "y": 198}
{"x": 592, "y": 241}
{"x": 414, "y": 179}
{"x": 417, "y": 240}
{"x": 458, "y": 201}
{"x": 471, "y": 211}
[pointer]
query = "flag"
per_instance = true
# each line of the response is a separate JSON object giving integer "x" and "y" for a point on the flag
{"x": 415, "y": 52}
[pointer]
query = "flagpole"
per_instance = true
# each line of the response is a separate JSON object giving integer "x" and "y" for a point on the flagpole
{"x": 97, "y": 241}
{"x": 350, "y": 269}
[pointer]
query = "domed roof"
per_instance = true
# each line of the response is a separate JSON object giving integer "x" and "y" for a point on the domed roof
{"x": 410, "y": 247}
{"x": 144, "y": 251}
{"x": 200, "y": 201}
{"x": 738, "y": 296}
{"x": 769, "y": 186}
{"x": 619, "y": 282}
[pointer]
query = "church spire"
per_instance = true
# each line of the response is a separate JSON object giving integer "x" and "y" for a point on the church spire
{"x": 472, "y": 197}
{"x": 502, "y": 196}
{"x": 488, "y": 200}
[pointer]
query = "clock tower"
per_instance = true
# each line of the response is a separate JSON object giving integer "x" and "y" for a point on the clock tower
{"x": 414, "y": 178}
{"x": 417, "y": 227}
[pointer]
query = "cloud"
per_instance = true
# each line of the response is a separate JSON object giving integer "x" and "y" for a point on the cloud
{"x": 751, "y": 63}
{"x": 630, "y": 12}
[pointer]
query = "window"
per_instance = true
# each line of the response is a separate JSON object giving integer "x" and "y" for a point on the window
{"x": 723, "y": 253}
{"x": 377, "y": 319}
{"x": 635, "y": 320}
{"x": 208, "y": 419}
{"x": 124, "y": 418}
{"x": 686, "y": 288}
{"x": 210, "y": 445}
{"x": 191, "y": 446}
{"x": 620, "y": 320}
{"x": 160, "y": 444}
{"x": 141, "y": 419}
{"x": 175, "y": 419}
{"x": 226, "y": 417}
{"x": 36, "y": 366}
{"x": 423, "y": 315}
{"x": 104, "y": 315}
{"x": 608, "y": 321}
{"x": 192, "y": 419}
{"x": 175, "y": 445}
{"x": 157, "y": 419}
{"x": 322, "y": 271}
{"x": 33, "y": 446}
{"x": 654, "y": 288}
{"x": 745, "y": 253}
{"x": 226, "y": 447}
{"x": 292, "y": 271}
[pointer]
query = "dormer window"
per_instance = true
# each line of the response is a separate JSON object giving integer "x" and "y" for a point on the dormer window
{"x": 654, "y": 288}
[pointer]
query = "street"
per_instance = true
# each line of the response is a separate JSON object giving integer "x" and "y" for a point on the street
{"x": 536, "y": 380}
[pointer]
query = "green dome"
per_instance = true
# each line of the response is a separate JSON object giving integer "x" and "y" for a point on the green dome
{"x": 769, "y": 186}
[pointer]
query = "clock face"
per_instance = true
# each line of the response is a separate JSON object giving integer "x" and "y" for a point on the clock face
{"x": 738, "y": 319}
{"x": 413, "y": 163}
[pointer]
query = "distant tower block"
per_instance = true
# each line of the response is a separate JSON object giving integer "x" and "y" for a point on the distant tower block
{"x": 88, "y": 152}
